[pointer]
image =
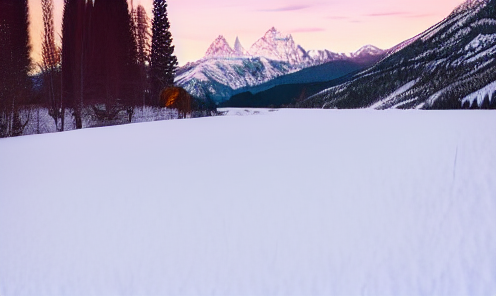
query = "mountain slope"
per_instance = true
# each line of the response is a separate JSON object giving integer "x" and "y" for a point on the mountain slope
{"x": 281, "y": 95}
{"x": 273, "y": 45}
{"x": 225, "y": 70}
{"x": 290, "y": 88}
{"x": 216, "y": 78}
{"x": 220, "y": 49}
{"x": 444, "y": 67}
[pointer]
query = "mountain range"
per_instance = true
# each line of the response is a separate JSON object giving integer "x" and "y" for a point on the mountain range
{"x": 452, "y": 65}
{"x": 225, "y": 71}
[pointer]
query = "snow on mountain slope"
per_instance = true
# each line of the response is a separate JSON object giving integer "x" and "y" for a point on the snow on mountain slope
{"x": 216, "y": 78}
{"x": 450, "y": 61}
{"x": 367, "y": 50}
{"x": 321, "y": 56}
{"x": 486, "y": 95}
{"x": 275, "y": 46}
{"x": 239, "y": 50}
{"x": 377, "y": 203}
{"x": 206, "y": 77}
{"x": 220, "y": 48}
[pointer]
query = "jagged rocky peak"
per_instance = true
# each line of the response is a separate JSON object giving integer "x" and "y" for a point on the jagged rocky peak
{"x": 239, "y": 49}
{"x": 272, "y": 33}
{"x": 274, "y": 45}
{"x": 220, "y": 49}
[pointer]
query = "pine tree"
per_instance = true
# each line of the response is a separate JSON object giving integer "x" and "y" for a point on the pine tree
{"x": 163, "y": 62}
{"x": 115, "y": 61}
{"x": 15, "y": 64}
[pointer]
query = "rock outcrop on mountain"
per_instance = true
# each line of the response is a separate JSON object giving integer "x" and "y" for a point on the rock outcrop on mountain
{"x": 224, "y": 69}
{"x": 219, "y": 49}
{"x": 451, "y": 65}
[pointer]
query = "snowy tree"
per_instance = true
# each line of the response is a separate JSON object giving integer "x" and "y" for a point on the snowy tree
{"x": 163, "y": 61}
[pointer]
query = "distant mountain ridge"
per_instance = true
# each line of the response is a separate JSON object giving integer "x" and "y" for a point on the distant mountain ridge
{"x": 278, "y": 47}
{"x": 451, "y": 65}
{"x": 224, "y": 69}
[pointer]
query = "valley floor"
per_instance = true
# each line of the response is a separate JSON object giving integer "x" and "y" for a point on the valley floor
{"x": 287, "y": 202}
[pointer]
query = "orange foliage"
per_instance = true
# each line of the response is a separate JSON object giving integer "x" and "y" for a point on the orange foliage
{"x": 176, "y": 98}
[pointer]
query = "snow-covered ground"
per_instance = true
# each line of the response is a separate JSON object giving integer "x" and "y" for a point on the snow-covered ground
{"x": 288, "y": 202}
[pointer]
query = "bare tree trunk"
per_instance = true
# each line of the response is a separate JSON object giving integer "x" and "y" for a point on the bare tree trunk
{"x": 38, "y": 121}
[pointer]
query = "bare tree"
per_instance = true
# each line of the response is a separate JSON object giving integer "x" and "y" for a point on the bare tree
{"x": 142, "y": 35}
{"x": 51, "y": 65}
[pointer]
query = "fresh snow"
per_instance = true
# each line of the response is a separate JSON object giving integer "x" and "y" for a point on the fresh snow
{"x": 384, "y": 102}
{"x": 480, "y": 42}
{"x": 478, "y": 96}
{"x": 235, "y": 72}
{"x": 288, "y": 202}
{"x": 275, "y": 46}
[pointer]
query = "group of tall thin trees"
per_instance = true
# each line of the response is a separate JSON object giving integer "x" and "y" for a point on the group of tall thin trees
{"x": 15, "y": 64}
{"x": 109, "y": 60}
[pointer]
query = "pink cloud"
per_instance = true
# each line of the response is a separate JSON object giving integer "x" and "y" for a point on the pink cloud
{"x": 286, "y": 8}
{"x": 307, "y": 30}
{"x": 337, "y": 17}
{"x": 394, "y": 13}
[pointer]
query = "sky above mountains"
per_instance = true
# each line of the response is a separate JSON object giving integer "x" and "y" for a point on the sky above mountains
{"x": 336, "y": 25}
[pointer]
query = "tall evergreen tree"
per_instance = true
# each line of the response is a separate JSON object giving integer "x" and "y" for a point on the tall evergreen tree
{"x": 115, "y": 60}
{"x": 15, "y": 64}
{"x": 163, "y": 61}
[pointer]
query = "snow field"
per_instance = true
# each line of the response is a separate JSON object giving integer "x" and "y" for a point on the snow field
{"x": 291, "y": 202}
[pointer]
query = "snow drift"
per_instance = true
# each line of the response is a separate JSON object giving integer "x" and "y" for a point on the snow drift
{"x": 289, "y": 202}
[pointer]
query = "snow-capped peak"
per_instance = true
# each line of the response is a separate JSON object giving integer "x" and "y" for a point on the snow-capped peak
{"x": 368, "y": 50}
{"x": 219, "y": 48}
{"x": 273, "y": 45}
{"x": 239, "y": 49}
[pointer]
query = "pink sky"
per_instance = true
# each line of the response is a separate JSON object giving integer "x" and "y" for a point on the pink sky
{"x": 337, "y": 25}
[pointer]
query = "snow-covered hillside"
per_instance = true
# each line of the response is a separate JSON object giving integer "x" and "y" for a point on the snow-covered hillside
{"x": 288, "y": 202}
{"x": 217, "y": 78}
{"x": 449, "y": 66}
{"x": 224, "y": 69}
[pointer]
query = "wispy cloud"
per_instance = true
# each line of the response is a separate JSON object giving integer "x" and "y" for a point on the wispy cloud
{"x": 398, "y": 13}
{"x": 307, "y": 30}
{"x": 286, "y": 8}
{"x": 390, "y": 13}
{"x": 336, "y": 17}
{"x": 420, "y": 15}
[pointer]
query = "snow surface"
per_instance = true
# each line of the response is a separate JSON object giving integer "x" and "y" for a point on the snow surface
{"x": 383, "y": 103}
{"x": 478, "y": 96}
{"x": 288, "y": 202}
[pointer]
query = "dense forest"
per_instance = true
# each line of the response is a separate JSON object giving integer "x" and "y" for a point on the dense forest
{"x": 113, "y": 60}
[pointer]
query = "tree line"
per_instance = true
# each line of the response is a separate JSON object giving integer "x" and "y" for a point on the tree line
{"x": 111, "y": 60}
